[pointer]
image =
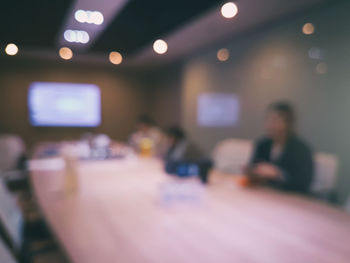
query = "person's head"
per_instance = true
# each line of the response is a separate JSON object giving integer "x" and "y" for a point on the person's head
{"x": 280, "y": 119}
{"x": 144, "y": 123}
{"x": 174, "y": 135}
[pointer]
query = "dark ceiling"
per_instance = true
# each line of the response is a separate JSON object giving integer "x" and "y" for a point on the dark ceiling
{"x": 32, "y": 23}
{"x": 36, "y": 23}
{"x": 143, "y": 21}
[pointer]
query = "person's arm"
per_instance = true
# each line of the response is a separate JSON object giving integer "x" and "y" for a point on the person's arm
{"x": 262, "y": 170}
{"x": 257, "y": 153}
{"x": 256, "y": 158}
{"x": 294, "y": 174}
{"x": 250, "y": 176}
{"x": 299, "y": 171}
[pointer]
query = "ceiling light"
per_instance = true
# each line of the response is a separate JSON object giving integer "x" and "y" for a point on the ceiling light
{"x": 77, "y": 36}
{"x": 82, "y": 37}
{"x": 11, "y": 49}
{"x": 69, "y": 35}
{"x": 308, "y": 29}
{"x": 97, "y": 18}
{"x": 223, "y": 54}
{"x": 160, "y": 46}
{"x": 229, "y": 10}
{"x": 80, "y": 16}
{"x": 115, "y": 58}
{"x": 90, "y": 17}
{"x": 66, "y": 53}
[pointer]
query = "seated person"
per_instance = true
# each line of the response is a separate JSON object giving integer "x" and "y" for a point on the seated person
{"x": 179, "y": 148}
{"x": 182, "y": 156}
{"x": 147, "y": 136}
{"x": 282, "y": 159}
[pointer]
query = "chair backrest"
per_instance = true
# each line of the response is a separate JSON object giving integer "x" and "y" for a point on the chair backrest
{"x": 11, "y": 218}
{"x": 347, "y": 205}
{"x": 5, "y": 254}
{"x": 232, "y": 155}
{"x": 326, "y": 169}
{"x": 11, "y": 149}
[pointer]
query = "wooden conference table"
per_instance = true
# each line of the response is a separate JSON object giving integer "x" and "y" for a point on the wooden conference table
{"x": 118, "y": 215}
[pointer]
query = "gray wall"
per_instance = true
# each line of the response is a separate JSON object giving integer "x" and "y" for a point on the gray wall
{"x": 271, "y": 65}
{"x": 124, "y": 96}
{"x": 167, "y": 104}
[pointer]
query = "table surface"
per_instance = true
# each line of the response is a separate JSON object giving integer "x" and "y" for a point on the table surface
{"x": 119, "y": 214}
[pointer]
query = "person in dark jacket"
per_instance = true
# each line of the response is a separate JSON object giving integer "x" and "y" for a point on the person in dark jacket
{"x": 281, "y": 159}
{"x": 182, "y": 156}
{"x": 179, "y": 147}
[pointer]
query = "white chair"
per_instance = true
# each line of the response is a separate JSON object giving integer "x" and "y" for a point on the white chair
{"x": 5, "y": 255}
{"x": 347, "y": 205}
{"x": 11, "y": 149}
{"x": 11, "y": 217}
{"x": 12, "y": 222}
{"x": 232, "y": 155}
{"x": 326, "y": 169}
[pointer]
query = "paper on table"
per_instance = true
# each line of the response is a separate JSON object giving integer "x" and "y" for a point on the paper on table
{"x": 50, "y": 164}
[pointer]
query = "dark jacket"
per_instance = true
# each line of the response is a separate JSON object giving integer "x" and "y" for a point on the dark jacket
{"x": 295, "y": 162}
{"x": 183, "y": 151}
{"x": 182, "y": 157}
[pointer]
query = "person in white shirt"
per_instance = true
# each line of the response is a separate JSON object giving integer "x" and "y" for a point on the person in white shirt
{"x": 147, "y": 137}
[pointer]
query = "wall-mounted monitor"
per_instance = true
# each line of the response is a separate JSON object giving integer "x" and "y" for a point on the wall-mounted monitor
{"x": 217, "y": 110}
{"x": 64, "y": 104}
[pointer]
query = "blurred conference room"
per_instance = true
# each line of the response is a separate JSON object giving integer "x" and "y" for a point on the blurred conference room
{"x": 174, "y": 131}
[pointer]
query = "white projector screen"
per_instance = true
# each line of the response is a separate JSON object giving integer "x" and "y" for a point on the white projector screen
{"x": 64, "y": 104}
{"x": 217, "y": 110}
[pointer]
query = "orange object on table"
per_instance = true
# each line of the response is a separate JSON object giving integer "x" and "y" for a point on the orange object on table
{"x": 244, "y": 181}
{"x": 146, "y": 147}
